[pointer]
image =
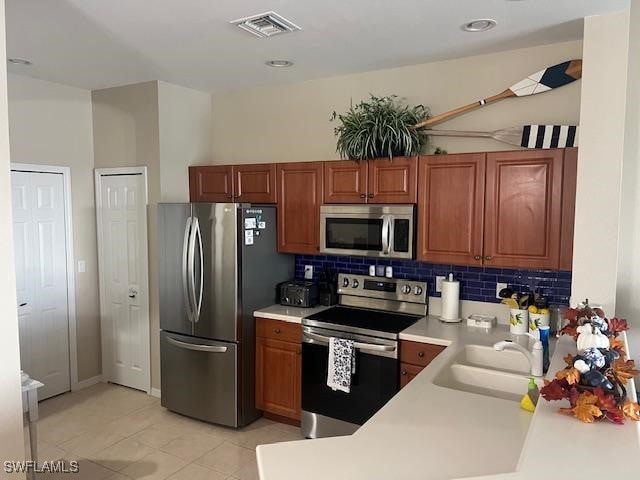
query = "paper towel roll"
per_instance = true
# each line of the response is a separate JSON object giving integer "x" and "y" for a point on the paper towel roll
{"x": 450, "y": 301}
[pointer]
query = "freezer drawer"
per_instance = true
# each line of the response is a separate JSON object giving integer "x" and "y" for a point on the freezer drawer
{"x": 199, "y": 378}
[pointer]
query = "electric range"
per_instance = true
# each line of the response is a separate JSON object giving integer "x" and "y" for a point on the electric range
{"x": 372, "y": 312}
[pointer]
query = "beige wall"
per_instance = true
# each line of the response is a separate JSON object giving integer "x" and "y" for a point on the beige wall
{"x": 291, "y": 122}
{"x": 50, "y": 124}
{"x": 627, "y": 304}
{"x": 11, "y": 439}
{"x": 185, "y": 137}
{"x": 595, "y": 252}
{"x": 167, "y": 128}
{"x": 125, "y": 133}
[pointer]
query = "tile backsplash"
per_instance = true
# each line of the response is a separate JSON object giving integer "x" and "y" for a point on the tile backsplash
{"x": 476, "y": 283}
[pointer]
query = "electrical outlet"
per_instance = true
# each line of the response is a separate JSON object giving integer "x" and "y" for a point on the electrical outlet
{"x": 308, "y": 272}
{"x": 500, "y": 286}
{"x": 439, "y": 280}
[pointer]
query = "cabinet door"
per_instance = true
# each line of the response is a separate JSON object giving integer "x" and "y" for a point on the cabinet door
{"x": 569, "y": 179}
{"x": 523, "y": 209}
{"x": 211, "y": 184}
{"x": 408, "y": 372}
{"x": 255, "y": 183}
{"x": 393, "y": 181}
{"x": 451, "y": 208}
{"x": 345, "y": 182}
{"x": 299, "y": 199}
{"x": 278, "y": 371}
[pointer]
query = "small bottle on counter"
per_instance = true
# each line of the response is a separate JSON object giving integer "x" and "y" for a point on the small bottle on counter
{"x": 372, "y": 270}
{"x": 388, "y": 271}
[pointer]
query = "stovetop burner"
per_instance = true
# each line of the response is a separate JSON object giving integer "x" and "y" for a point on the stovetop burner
{"x": 364, "y": 319}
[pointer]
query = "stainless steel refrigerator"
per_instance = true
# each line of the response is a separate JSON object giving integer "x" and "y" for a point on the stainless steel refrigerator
{"x": 218, "y": 264}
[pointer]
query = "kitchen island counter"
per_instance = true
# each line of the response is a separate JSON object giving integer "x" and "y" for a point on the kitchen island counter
{"x": 431, "y": 432}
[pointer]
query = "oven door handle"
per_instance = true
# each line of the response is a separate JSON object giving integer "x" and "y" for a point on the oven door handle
{"x": 358, "y": 345}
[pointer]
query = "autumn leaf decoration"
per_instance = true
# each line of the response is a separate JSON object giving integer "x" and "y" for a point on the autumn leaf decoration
{"x": 608, "y": 400}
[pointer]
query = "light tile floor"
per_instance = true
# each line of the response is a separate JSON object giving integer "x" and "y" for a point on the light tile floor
{"x": 116, "y": 433}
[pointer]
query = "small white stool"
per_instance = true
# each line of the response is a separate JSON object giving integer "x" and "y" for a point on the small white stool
{"x": 30, "y": 408}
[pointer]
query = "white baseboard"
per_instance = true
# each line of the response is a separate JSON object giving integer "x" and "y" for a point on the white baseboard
{"x": 155, "y": 392}
{"x": 88, "y": 382}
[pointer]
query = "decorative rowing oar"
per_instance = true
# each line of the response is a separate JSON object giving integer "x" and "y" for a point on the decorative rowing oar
{"x": 528, "y": 136}
{"x": 542, "y": 81}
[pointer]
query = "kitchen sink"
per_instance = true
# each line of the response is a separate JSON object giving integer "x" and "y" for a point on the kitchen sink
{"x": 509, "y": 361}
{"x": 485, "y": 381}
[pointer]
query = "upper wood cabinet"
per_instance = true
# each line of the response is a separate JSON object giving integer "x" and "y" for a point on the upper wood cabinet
{"x": 299, "y": 198}
{"x": 345, "y": 181}
{"x": 229, "y": 183}
{"x": 255, "y": 183}
{"x": 451, "y": 208}
{"x": 371, "y": 181}
{"x": 212, "y": 183}
{"x": 393, "y": 181}
{"x": 523, "y": 208}
{"x": 504, "y": 209}
{"x": 569, "y": 178}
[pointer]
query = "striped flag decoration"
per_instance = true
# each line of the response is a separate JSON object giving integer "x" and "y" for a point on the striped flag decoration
{"x": 549, "y": 136}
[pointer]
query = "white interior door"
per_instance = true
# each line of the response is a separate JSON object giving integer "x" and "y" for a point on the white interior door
{"x": 41, "y": 278}
{"x": 122, "y": 225}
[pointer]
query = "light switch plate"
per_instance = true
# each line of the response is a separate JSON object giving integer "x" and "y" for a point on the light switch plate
{"x": 500, "y": 286}
{"x": 439, "y": 280}
{"x": 82, "y": 266}
{"x": 308, "y": 272}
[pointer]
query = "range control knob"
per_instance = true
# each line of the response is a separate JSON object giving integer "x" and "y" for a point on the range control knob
{"x": 355, "y": 283}
{"x": 285, "y": 299}
{"x": 300, "y": 301}
{"x": 406, "y": 289}
{"x": 417, "y": 290}
{"x": 345, "y": 282}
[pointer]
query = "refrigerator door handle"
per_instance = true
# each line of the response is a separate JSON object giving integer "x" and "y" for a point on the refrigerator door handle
{"x": 198, "y": 305}
{"x": 191, "y": 274}
{"x": 196, "y": 346}
{"x": 185, "y": 268}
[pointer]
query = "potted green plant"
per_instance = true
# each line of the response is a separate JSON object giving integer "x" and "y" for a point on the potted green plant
{"x": 380, "y": 127}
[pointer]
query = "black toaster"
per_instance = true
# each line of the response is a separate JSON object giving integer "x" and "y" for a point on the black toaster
{"x": 298, "y": 293}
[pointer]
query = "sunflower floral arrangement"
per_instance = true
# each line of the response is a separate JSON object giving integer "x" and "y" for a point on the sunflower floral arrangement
{"x": 594, "y": 380}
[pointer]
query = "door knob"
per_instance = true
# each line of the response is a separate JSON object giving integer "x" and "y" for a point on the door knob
{"x": 404, "y": 372}
{"x": 362, "y": 195}
{"x": 133, "y": 293}
{"x": 421, "y": 354}
{"x": 477, "y": 257}
{"x": 371, "y": 195}
{"x": 488, "y": 257}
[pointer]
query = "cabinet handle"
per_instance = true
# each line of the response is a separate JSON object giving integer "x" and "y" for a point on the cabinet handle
{"x": 488, "y": 257}
{"x": 404, "y": 372}
{"x": 371, "y": 195}
{"x": 421, "y": 354}
{"x": 477, "y": 257}
{"x": 229, "y": 196}
{"x": 277, "y": 330}
{"x": 362, "y": 195}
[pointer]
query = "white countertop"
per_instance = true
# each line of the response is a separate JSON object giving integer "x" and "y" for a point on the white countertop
{"x": 287, "y": 314}
{"x": 431, "y": 432}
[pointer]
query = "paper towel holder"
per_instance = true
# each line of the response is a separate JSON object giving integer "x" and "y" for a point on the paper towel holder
{"x": 451, "y": 287}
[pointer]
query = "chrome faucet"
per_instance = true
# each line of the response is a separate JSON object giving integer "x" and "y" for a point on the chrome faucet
{"x": 535, "y": 357}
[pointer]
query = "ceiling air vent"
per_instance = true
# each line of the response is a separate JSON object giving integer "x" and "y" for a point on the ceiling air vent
{"x": 266, "y": 24}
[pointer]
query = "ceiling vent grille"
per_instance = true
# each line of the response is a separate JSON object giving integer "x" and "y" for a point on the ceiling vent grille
{"x": 266, "y": 24}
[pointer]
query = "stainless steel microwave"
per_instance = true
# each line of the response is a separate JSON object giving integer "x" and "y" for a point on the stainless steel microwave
{"x": 368, "y": 230}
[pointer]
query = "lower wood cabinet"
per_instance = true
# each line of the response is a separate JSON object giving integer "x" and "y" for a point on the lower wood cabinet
{"x": 414, "y": 356}
{"x": 278, "y": 368}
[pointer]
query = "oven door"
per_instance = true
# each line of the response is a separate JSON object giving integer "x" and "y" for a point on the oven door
{"x": 367, "y": 230}
{"x": 373, "y": 384}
